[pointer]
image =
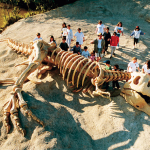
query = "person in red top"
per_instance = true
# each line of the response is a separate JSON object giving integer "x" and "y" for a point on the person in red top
{"x": 113, "y": 43}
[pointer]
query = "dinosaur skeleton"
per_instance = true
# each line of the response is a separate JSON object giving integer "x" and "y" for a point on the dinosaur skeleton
{"x": 137, "y": 91}
{"x": 76, "y": 69}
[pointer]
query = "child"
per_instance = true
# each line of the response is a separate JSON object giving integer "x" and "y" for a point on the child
{"x": 107, "y": 67}
{"x": 38, "y": 37}
{"x": 115, "y": 83}
{"x": 79, "y": 37}
{"x": 133, "y": 65}
{"x": 92, "y": 57}
{"x": 118, "y": 29}
{"x": 77, "y": 49}
{"x": 64, "y": 30}
{"x": 99, "y": 47}
{"x": 100, "y": 28}
{"x": 52, "y": 40}
{"x": 63, "y": 44}
{"x": 113, "y": 43}
{"x": 136, "y": 34}
{"x": 69, "y": 37}
{"x": 146, "y": 67}
{"x": 86, "y": 53}
{"x": 107, "y": 37}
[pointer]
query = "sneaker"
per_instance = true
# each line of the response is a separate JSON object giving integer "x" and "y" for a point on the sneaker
{"x": 133, "y": 47}
{"x": 117, "y": 47}
{"x": 110, "y": 57}
{"x": 114, "y": 54}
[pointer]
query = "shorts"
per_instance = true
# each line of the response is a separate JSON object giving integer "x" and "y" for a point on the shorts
{"x": 99, "y": 52}
{"x": 135, "y": 41}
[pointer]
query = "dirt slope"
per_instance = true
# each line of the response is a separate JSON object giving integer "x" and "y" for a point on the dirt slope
{"x": 77, "y": 121}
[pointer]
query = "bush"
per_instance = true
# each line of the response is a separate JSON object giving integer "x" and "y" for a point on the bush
{"x": 39, "y": 5}
{"x": 11, "y": 17}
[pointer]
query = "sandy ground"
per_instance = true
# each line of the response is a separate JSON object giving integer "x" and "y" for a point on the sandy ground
{"x": 77, "y": 121}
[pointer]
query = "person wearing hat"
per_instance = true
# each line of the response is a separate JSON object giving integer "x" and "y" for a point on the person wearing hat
{"x": 100, "y": 28}
{"x": 108, "y": 66}
{"x": 136, "y": 34}
{"x": 38, "y": 37}
{"x": 79, "y": 37}
{"x": 86, "y": 53}
{"x": 99, "y": 47}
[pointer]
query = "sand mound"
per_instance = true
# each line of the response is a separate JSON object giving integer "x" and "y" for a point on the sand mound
{"x": 76, "y": 121}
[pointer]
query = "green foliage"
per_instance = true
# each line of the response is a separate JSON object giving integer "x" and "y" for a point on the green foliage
{"x": 31, "y": 13}
{"x": 41, "y": 5}
{"x": 11, "y": 17}
{"x": 34, "y": 7}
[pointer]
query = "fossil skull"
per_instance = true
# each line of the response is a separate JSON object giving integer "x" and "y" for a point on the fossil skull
{"x": 137, "y": 91}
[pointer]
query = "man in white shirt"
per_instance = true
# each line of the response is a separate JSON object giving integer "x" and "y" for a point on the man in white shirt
{"x": 38, "y": 37}
{"x": 133, "y": 65}
{"x": 100, "y": 28}
{"x": 79, "y": 37}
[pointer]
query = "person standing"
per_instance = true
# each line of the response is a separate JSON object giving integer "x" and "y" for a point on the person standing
{"x": 107, "y": 37}
{"x": 38, "y": 37}
{"x": 64, "y": 30}
{"x": 100, "y": 28}
{"x": 99, "y": 47}
{"x": 136, "y": 34}
{"x": 79, "y": 37}
{"x": 119, "y": 29}
{"x": 69, "y": 36}
{"x": 133, "y": 65}
{"x": 113, "y": 43}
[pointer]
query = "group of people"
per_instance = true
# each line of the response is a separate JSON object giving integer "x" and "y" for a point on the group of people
{"x": 132, "y": 66}
{"x": 100, "y": 45}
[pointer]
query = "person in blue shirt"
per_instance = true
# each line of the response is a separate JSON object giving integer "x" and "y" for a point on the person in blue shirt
{"x": 86, "y": 53}
{"x": 38, "y": 37}
{"x": 136, "y": 34}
